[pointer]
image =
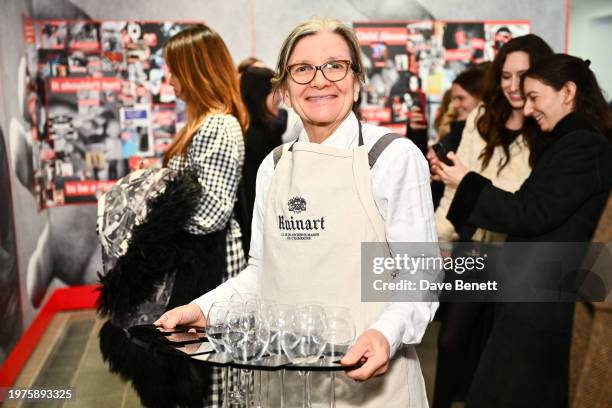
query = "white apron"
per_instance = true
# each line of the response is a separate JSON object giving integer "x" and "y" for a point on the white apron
{"x": 319, "y": 210}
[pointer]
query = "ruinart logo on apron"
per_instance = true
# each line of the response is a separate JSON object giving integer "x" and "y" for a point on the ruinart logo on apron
{"x": 296, "y": 205}
{"x": 297, "y": 228}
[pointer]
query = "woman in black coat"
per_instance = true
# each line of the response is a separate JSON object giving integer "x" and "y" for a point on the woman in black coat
{"x": 526, "y": 360}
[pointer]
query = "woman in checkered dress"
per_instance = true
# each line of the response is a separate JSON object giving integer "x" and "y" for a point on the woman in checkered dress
{"x": 211, "y": 147}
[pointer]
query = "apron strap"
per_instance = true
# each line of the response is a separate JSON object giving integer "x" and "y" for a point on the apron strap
{"x": 276, "y": 154}
{"x": 376, "y": 150}
{"x": 380, "y": 146}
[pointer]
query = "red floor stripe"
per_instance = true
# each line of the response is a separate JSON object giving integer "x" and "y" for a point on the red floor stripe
{"x": 62, "y": 299}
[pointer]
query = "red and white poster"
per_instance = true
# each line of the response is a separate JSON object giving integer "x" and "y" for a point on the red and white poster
{"x": 392, "y": 84}
{"x": 411, "y": 64}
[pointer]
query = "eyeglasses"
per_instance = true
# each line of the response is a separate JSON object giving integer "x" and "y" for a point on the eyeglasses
{"x": 333, "y": 71}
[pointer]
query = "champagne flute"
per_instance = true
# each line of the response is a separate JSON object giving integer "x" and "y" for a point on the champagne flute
{"x": 238, "y": 394}
{"x": 341, "y": 337}
{"x": 303, "y": 340}
{"x": 246, "y": 334}
{"x": 277, "y": 316}
{"x": 215, "y": 321}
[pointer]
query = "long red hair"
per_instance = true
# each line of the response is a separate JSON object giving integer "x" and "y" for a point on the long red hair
{"x": 201, "y": 62}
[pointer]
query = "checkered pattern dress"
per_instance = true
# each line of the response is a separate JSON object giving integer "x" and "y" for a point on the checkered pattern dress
{"x": 216, "y": 155}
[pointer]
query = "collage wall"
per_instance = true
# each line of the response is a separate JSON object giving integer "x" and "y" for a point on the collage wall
{"x": 99, "y": 102}
{"x": 85, "y": 98}
{"x": 411, "y": 64}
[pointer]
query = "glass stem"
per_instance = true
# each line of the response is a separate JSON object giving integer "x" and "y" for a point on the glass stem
{"x": 332, "y": 390}
{"x": 308, "y": 389}
{"x": 247, "y": 396}
{"x": 281, "y": 373}
{"x": 237, "y": 394}
{"x": 257, "y": 390}
{"x": 304, "y": 389}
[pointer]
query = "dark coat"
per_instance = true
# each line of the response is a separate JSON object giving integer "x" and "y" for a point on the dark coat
{"x": 450, "y": 141}
{"x": 525, "y": 362}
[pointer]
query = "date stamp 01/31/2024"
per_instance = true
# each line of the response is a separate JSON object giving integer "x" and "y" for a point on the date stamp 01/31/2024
{"x": 36, "y": 394}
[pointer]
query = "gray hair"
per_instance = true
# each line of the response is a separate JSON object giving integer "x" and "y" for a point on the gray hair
{"x": 313, "y": 26}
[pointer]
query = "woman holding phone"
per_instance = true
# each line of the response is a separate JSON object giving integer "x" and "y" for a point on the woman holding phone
{"x": 497, "y": 142}
{"x": 526, "y": 360}
{"x": 465, "y": 97}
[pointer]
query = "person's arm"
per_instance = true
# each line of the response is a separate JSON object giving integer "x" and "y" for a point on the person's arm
{"x": 465, "y": 152}
{"x": 406, "y": 207}
{"x": 214, "y": 157}
{"x": 548, "y": 197}
{"x": 408, "y": 214}
{"x": 416, "y": 129}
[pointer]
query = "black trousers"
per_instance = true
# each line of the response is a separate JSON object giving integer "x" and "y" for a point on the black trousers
{"x": 463, "y": 333}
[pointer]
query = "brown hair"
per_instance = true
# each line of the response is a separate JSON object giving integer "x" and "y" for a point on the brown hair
{"x": 255, "y": 86}
{"x": 497, "y": 110}
{"x": 202, "y": 64}
{"x": 471, "y": 80}
{"x": 444, "y": 115}
{"x": 247, "y": 63}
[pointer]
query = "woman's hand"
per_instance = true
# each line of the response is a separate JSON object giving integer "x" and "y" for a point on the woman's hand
{"x": 147, "y": 163}
{"x": 433, "y": 160}
{"x": 373, "y": 347}
{"x": 417, "y": 119}
{"x": 450, "y": 175}
{"x": 186, "y": 315}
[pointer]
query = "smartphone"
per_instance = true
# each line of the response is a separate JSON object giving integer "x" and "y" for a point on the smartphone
{"x": 441, "y": 152}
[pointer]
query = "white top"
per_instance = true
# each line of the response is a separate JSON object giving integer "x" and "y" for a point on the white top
{"x": 400, "y": 185}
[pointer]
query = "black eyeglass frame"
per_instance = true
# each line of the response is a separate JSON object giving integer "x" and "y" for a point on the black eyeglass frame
{"x": 349, "y": 66}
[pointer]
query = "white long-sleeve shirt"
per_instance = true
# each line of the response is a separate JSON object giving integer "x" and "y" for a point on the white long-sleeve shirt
{"x": 400, "y": 185}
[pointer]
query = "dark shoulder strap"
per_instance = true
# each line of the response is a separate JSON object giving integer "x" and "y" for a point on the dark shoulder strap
{"x": 276, "y": 154}
{"x": 380, "y": 145}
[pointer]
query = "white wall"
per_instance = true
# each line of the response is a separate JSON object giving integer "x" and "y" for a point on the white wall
{"x": 590, "y": 36}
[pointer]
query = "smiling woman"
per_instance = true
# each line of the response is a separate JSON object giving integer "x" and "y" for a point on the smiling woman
{"x": 321, "y": 100}
{"x": 341, "y": 173}
{"x": 497, "y": 140}
{"x": 547, "y": 105}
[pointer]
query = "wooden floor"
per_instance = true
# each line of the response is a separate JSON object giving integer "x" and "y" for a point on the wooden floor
{"x": 68, "y": 354}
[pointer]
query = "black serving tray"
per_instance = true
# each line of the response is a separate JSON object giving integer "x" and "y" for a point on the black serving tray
{"x": 191, "y": 342}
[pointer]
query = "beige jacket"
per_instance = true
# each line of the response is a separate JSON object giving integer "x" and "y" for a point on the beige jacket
{"x": 510, "y": 178}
